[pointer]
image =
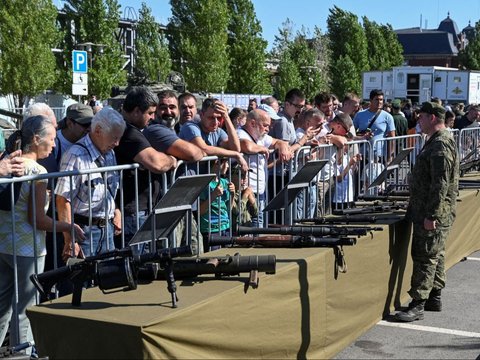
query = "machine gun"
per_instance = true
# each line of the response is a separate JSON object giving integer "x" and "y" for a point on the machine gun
{"x": 347, "y": 219}
{"x": 370, "y": 209}
{"x": 221, "y": 266}
{"x": 289, "y": 241}
{"x": 280, "y": 241}
{"x": 110, "y": 270}
{"x": 314, "y": 231}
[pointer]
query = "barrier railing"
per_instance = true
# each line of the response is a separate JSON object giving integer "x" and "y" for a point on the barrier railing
{"x": 313, "y": 201}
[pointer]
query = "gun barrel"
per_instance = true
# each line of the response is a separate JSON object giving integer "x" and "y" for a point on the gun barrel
{"x": 224, "y": 265}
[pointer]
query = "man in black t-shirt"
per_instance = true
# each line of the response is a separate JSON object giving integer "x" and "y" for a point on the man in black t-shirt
{"x": 138, "y": 110}
{"x": 470, "y": 119}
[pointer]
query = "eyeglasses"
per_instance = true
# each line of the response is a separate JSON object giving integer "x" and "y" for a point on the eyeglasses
{"x": 298, "y": 106}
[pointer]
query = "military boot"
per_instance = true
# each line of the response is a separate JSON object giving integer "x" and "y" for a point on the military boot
{"x": 413, "y": 312}
{"x": 434, "y": 302}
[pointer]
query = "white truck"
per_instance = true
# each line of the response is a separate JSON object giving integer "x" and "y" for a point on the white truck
{"x": 421, "y": 83}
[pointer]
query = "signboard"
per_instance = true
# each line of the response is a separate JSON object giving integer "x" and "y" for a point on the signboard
{"x": 79, "y": 61}
{"x": 79, "y": 89}
{"x": 80, "y": 79}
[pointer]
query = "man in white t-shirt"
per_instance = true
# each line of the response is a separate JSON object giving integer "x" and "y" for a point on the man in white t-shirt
{"x": 255, "y": 143}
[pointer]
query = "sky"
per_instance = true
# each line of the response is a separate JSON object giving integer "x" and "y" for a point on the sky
{"x": 310, "y": 13}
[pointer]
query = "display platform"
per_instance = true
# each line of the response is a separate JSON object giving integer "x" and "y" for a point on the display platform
{"x": 300, "y": 312}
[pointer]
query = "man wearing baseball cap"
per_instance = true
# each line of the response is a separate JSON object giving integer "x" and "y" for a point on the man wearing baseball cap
{"x": 433, "y": 189}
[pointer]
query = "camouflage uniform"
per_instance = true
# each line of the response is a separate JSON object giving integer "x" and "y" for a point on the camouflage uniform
{"x": 433, "y": 190}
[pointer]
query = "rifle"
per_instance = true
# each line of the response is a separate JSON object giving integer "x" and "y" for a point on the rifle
{"x": 315, "y": 231}
{"x": 110, "y": 270}
{"x": 469, "y": 166}
{"x": 280, "y": 241}
{"x": 13, "y": 351}
{"x": 369, "y": 209}
{"x": 220, "y": 266}
{"x": 347, "y": 219}
{"x": 383, "y": 197}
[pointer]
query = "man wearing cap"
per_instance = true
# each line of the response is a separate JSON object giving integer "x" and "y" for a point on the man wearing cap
{"x": 71, "y": 129}
{"x": 255, "y": 143}
{"x": 433, "y": 190}
{"x": 400, "y": 121}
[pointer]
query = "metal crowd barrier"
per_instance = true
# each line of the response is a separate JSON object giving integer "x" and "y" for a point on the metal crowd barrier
{"x": 314, "y": 201}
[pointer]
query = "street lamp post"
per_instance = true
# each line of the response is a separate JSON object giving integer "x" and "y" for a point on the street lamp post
{"x": 88, "y": 47}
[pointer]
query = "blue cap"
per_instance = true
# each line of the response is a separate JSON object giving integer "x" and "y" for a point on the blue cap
{"x": 269, "y": 110}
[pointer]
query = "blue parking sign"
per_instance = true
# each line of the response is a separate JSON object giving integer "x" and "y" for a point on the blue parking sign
{"x": 79, "y": 61}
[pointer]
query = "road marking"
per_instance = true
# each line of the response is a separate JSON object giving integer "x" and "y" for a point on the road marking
{"x": 473, "y": 258}
{"x": 430, "y": 329}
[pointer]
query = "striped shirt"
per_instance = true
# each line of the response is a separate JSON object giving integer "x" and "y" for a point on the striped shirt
{"x": 88, "y": 189}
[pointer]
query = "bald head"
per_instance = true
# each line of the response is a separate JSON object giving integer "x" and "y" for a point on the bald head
{"x": 258, "y": 123}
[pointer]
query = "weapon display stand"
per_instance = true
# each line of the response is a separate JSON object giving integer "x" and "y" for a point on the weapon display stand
{"x": 299, "y": 182}
{"x": 390, "y": 168}
{"x": 166, "y": 215}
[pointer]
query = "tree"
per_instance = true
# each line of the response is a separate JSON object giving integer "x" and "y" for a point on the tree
{"x": 198, "y": 33}
{"x": 395, "y": 49}
{"x": 469, "y": 58}
{"x": 96, "y": 21}
{"x": 348, "y": 44}
{"x": 152, "y": 58}
{"x": 302, "y": 61}
{"x": 247, "y": 50}
{"x": 378, "y": 49}
{"x": 26, "y": 60}
{"x": 288, "y": 76}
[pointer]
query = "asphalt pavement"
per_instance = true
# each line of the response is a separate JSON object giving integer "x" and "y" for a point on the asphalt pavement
{"x": 453, "y": 333}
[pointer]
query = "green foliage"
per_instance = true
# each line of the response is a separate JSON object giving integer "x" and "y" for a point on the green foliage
{"x": 27, "y": 35}
{"x": 470, "y": 57}
{"x": 152, "y": 57}
{"x": 348, "y": 45}
{"x": 303, "y": 61}
{"x": 96, "y": 21}
{"x": 377, "y": 45}
{"x": 198, "y": 34}
{"x": 247, "y": 50}
{"x": 288, "y": 76}
{"x": 395, "y": 49}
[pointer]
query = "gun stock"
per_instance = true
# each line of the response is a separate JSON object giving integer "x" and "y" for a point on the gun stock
{"x": 110, "y": 270}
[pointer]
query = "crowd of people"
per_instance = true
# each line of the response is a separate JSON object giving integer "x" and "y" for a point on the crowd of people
{"x": 157, "y": 131}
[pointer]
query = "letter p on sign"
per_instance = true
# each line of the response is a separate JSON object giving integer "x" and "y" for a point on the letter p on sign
{"x": 79, "y": 61}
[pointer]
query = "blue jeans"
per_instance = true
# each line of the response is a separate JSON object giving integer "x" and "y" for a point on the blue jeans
{"x": 26, "y": 294}
{"x": 257, "y": 221}
{"x": 130, "y": 228}
{"x": 311, "y": 208}
{"x": 100, "y": 243}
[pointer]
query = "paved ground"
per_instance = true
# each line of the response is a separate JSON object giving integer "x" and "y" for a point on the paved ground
{"x": 453, "y": 333}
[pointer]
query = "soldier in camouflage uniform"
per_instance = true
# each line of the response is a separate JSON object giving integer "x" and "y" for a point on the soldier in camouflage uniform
{"x": 433, "y": 189}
